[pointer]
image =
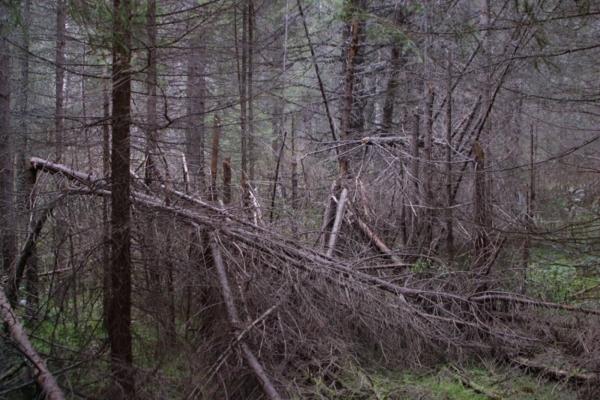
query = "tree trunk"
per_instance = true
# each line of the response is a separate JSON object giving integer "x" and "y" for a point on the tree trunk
{"x": 214, "y": 160}
{"x": 61, "y": 44}
{"x": 227, "y": 181}
{"x": 251, "y": 24}
{"x": 60, "y": 229}
{"x": 243, "y": 76}
{"x": 151, "y": 82}
{"x": 414, "y": 199}
{"x": 7, "y": 213}
{"x": 480, "y": 209}
{"x": 119, "y": 312}
{"x": 196, "y": 109}
{"x": 42, "y": 374}
{"x": 105, "y": 203}
{"x": 428, "y": 167}
{"x": 449, "y": 201}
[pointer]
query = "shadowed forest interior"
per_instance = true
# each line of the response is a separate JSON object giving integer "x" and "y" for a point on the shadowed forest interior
{"x": 273, "y": 199}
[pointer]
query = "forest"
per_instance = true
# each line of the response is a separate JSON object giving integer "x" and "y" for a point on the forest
{"x": 289, "y": 199}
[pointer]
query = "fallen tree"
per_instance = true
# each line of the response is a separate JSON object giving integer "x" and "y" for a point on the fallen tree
{"x": 312, "y": 305}
{"x": 43, "y": 376}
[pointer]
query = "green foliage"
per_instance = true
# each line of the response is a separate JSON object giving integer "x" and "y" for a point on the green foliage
{"x": 558, "y": 279}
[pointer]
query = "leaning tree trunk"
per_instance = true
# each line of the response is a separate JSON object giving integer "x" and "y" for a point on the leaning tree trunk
{"x": 42, "y": 374}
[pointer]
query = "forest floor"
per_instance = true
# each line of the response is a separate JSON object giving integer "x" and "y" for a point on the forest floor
{"x": 450, "y": 382}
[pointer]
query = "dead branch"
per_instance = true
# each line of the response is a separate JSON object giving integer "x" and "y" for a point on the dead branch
{"x": 41, "y": 164}
{"x": 338, "y": 221}
{"x": 520, "y": 299}
{"x": 556, "y": 373}
{"x": 44, "y": 378}
{"x": 397, "y": 140}
{"x": 17, "y": 274}
{"x": 234, "y": 319}
{"x": 368, "y": 232}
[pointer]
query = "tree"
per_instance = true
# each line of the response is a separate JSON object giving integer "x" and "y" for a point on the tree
{"x": 7, "y": 234}
{"x": 119, "y": 303}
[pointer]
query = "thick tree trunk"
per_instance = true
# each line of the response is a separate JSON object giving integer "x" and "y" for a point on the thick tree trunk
{"x": 119, "y": 312}
{"x": 8, "y": 239}
{"x": 60, "y": 233}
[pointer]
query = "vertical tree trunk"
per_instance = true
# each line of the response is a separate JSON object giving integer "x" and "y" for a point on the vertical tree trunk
{"x": 7, "y": 218}
{"x": 26, "y": 180}
{"x": 23, "y": 100}
{"x": 227, "y": 181}
{"x": 449, "y": 200}
{"x": 251, "y": 151}
{"x": 414, "y": 171}
{"x": 60, "y": 230}
{"x": 391, "y": 92}
{"x": 61, "y": 43}
{"x": 294, "y": 166}
{"x": 196, "y": 109}
{"x": 428, "y": 167}
{"x": 105, "y": 201}
{"x": 347, "y": 112}
{"x": 482, "y": 186}
{"x": 119, "y": 312}
{"x": 214, "y": 162}
{"x": 529, "y": 211}
{"x": 480, "y": 210}
{"x": 151, "y": 82}
{"x": 31, "y": 275}
{"x": 243, "y": 75}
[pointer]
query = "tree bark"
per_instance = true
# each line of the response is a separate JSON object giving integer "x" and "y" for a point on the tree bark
{"x": 250, "y": 82}
{"x": 119, "y": 312}
{"x": 44, "y": 377}
{"x": 449, "y": 197}
{"x": 339, "y": 215}
{"x": 61, "y": 44}
{"x": 243, "y": 77}
{"x": 8, "y": 239}
{"x": 236, "y": 322}
{"x": 151, "y": 82}
{"x": 214, "y": 162}
{"x": 227, "y": 181}
{"x": 196, "y": 110}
